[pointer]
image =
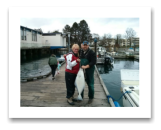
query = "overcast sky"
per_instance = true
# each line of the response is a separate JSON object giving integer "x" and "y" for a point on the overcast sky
{"x": 100, "y": 26}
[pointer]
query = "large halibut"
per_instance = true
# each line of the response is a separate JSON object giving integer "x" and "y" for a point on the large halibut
{"x": 80, "y": 83}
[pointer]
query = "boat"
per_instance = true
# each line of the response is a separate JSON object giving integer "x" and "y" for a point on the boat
{"x": 130, "y": 87}
{"x": 136, "y": 57}
{"x": 101, "y": 51}
{"x": 108, "y": 60}
{"x": 120, "y": 55}
{"x": 61, "y": 59}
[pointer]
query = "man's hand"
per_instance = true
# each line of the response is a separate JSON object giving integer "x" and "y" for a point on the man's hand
{"x": 85, "y": 67}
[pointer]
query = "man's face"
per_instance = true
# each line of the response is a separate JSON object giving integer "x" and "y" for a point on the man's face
{"x": 84, "y": 46}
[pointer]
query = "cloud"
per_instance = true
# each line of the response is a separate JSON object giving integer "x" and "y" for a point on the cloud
{"x": 100, "y": 26}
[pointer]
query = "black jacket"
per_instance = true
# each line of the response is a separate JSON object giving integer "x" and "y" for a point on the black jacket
{"x": 90, "y": 55}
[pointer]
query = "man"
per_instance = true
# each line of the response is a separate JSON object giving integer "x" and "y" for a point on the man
{"x": 88, "y": 60}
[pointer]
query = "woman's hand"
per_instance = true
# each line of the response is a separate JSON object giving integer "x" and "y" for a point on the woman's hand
{"x": 64, "y": 55}
{"x": 78, "y": 60}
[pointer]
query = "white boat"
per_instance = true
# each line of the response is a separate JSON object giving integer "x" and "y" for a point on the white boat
{"x": 130, "y": 86}
{"x": 61, "y": 59}
{"x": 101, "y": 51}
{"x": 136, "y": 57}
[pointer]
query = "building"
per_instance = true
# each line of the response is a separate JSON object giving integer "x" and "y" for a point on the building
{"x": 126, "y": 42}
{"x": 35, "y": 38}
{"x": 54, "y": 40}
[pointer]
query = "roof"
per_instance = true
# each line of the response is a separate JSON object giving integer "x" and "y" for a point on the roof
{"x": 36, "y": 30}
{"x": 40, "y": 31}
{"x": 51, "y": 34}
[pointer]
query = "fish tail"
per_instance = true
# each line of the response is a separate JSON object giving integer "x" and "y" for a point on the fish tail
{"x": 79, "y": 97}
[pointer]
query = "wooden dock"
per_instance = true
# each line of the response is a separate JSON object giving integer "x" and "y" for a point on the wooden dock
{"x": 52, "y": 93}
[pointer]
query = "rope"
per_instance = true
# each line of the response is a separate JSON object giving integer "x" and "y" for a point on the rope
{"x": 109, "y": 96}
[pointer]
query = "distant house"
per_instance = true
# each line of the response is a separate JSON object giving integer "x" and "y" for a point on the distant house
{"x": 126, "y": 42}
{"x": 35, "y": 38}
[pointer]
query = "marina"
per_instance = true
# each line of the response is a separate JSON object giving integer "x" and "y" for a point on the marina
{"x": 38, "y": 89}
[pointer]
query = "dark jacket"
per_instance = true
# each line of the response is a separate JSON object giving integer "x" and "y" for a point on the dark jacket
{"x": 90, "y": 55}
{"x": 52, "y": 60}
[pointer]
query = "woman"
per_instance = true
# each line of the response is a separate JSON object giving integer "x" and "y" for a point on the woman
{"x": 71, "y": 70}
{"x": 53, "y": 64}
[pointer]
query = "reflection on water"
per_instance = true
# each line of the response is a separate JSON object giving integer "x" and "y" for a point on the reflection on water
{"x": 103, "y": 69}
{"x": 36, "y": 65}
{"x": 111, "y": 75}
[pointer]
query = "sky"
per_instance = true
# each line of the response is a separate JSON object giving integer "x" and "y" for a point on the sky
{"x": 98, "y": 18}
{"x": 99, "y": 26}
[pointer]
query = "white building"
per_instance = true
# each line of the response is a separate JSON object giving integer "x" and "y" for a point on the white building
{"x": 31, "y": 38}
{"x": 55, "y": 40}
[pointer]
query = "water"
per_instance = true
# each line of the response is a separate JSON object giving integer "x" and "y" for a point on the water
{"x": 112, "y": 77}
{"x": 35, "y": 65}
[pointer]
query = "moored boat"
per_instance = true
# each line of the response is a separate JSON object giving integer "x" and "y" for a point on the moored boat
{"x": 130, "y": 87}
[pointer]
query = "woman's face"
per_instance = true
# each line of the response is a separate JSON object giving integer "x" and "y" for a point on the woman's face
{"x": 75, "y": 50}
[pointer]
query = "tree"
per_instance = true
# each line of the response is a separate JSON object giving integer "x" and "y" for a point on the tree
{"x": 90, "y": 39}
{"x": 109, "y": 36}
{"x": 79, "y": 31}
{"x": 118, "y": 39}
{"x": 74, "y": 32}
{"x": 130, "y": 33}
{"x": 83, "y": 31}
{"x": 56, "y": 31}
{"x": 66, "y": 29}
{"x": 103, "y": 41}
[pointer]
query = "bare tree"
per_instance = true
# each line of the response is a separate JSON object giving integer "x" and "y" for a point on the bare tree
{"x": 109, "y": 36}
{"x": 130, "y": 33}
{"x": 104, "y": 40}
{"x": 118, "y": 39}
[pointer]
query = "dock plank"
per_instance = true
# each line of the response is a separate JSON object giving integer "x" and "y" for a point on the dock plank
{"x": 52, "y": 93}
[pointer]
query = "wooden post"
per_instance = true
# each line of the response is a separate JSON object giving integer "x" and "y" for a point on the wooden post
{"x": 95, "y": 41}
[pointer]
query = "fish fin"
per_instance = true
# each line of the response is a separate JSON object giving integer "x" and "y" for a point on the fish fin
{"x": 79, "y": 97}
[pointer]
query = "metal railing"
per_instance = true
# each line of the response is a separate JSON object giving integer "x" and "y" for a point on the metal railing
{"x": 34, "y": 45}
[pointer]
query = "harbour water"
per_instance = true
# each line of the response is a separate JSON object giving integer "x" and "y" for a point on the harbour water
{"x": 112, "y": 78}
{"x": 35, "y": 65}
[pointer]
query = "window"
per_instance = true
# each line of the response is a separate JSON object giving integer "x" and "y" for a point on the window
{"x": 34, "y": 36}
{"x": 23, "y": 34}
